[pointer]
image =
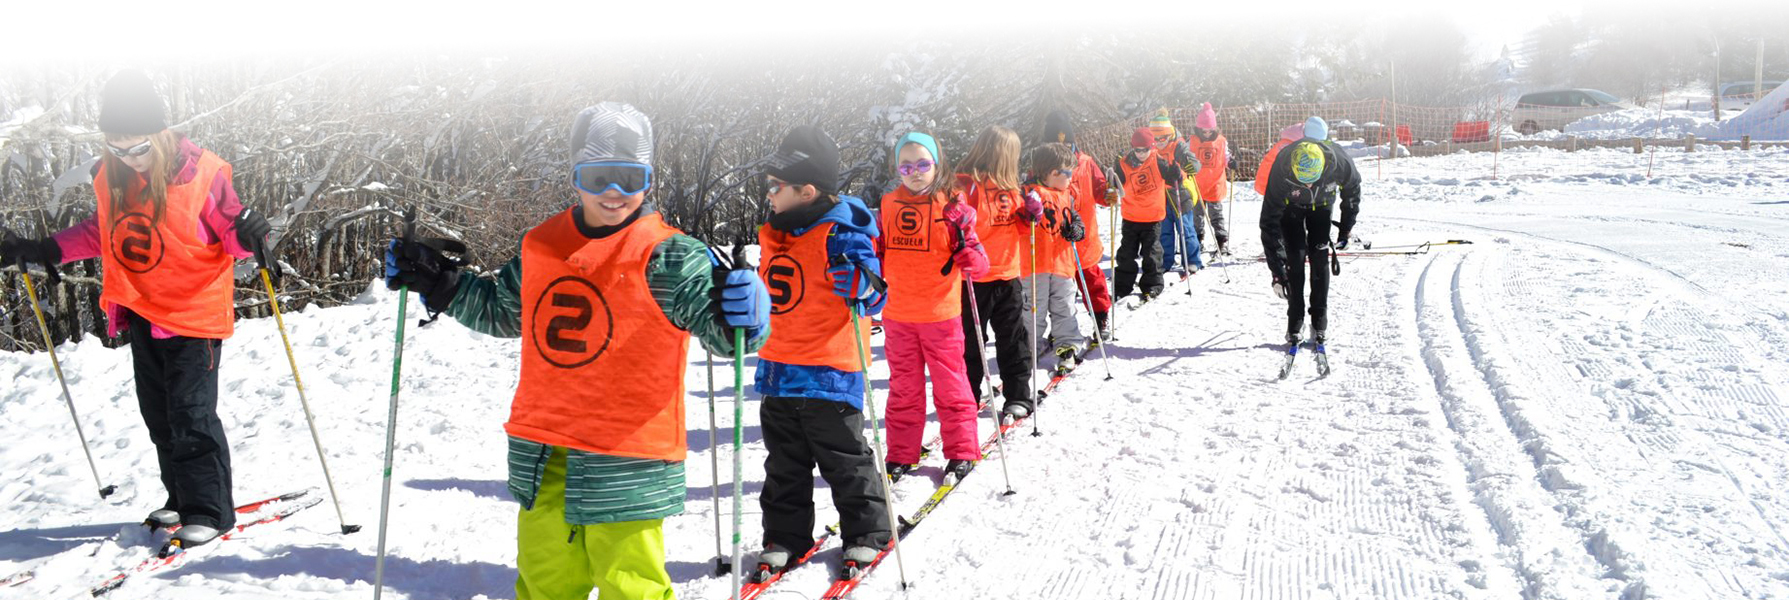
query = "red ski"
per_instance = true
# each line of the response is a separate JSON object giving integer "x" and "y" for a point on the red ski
{"x": 251, "y": 514}
{"x": 855, "y": 574}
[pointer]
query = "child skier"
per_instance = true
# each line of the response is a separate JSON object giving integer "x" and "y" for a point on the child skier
{"x": 1049, "y": 265}
{"x": 596, "y": 430}
{"x": 1295, "y": 220}
{"x": 168, "y": 229}
{"x": 819, "y": 254}
{"x": 1088, "y": 185}
{"x": 989, "y": 176}
{"x": 1145, "y": 193}
{"x": 1178, "y": 166}
{"x": 929, "y": 246}
{"x": 1213, "y": 152}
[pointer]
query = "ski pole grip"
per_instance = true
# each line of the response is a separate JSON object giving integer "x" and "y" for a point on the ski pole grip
{"x": 409, "y": 224}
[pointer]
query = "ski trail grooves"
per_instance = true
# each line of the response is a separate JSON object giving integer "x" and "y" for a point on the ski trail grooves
{"x": 1503, "y": 479}
{"x": 1658, "y": 406}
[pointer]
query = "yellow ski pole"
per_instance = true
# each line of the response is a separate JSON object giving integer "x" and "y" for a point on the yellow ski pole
{"x": 280, "y": 322}
{"x": 44, "y": 326}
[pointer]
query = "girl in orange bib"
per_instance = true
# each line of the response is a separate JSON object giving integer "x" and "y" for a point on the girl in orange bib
{"x": 928, "y": 245}
{"x": 989, "y": 178}
{"x": 168, "y": 230}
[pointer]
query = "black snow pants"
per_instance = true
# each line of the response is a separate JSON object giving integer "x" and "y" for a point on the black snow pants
{"x": 802, "y": 433}
{"x": 177, "y": 393}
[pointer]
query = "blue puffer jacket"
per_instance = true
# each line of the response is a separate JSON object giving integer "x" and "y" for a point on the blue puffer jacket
{"x": 853, "y": 236}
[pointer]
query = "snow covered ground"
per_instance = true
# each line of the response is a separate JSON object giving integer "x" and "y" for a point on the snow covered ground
{"x": 1586, "y": 402}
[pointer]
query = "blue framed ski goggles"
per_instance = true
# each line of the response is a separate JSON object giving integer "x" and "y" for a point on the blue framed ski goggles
{"x": 595, "y": 178}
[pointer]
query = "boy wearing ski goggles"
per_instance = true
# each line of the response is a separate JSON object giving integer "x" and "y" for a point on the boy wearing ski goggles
{"x": 612, "y": 190}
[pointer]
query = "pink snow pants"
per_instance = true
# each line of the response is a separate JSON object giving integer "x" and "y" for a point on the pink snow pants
{"x": 912, "y": 349}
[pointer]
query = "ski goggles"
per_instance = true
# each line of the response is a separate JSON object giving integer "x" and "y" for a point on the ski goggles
{"x": 596, "y": 178}
{"x": 914, "y": 168}
{"x": 133, "y": 151}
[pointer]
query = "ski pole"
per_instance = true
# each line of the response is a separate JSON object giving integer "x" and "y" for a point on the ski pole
{"x": 738, "y": 262}
{"x": 1186, "y": 262}
{"x": 1035, "y": 396}
{"x": 721, "y": 567}
{"x": 1422, "y": 245}
{"x": 1087, "y": 300}
{"x": 1230, "y": 193}
{"x": 280, "y": 322}
{"x": 981, "y": 350}
{"x": 44, "y": 326}
{"x": 1112, "y": 224}
{"x": 391, "y": 418}
{"x": 738, "y": 444}
{"x": 869, "y": 406}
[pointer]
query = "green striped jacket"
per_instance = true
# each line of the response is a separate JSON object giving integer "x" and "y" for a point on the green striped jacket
{"x": 601, "y": 488}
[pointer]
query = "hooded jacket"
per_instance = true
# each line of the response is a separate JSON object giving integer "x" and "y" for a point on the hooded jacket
{"x": 853, "y": 236}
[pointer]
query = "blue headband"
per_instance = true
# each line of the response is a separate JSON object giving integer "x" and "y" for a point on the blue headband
{"x": 924, "y": 141}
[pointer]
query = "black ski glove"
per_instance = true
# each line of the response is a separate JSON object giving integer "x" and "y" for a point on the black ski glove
{"x": 254, "y": 233}
{"x": 424, "y": 268}
{"x": 18, "y": 251}
{"x": 1170, "y": 172}
{"x": 1073, "y": 229}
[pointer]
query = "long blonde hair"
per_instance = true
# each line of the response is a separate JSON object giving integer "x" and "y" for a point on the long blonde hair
{"x": 164, "y": 153}
{"x": 995, "y": 156}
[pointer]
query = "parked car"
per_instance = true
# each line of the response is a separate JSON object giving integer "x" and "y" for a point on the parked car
{"x": 1739, "y": 95}
{"x": 1554, "y": 109}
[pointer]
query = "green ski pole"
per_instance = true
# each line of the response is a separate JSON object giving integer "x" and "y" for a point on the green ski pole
{"x": 391, "y": 418}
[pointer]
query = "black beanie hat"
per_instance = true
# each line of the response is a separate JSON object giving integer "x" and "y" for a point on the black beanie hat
{"x": 1058, "y": 128}
{"x": 130, "y": 106}
{"x": 807, "y": 156}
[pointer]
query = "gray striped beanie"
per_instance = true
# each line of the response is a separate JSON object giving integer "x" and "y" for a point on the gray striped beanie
{"x": 611, "y": 131}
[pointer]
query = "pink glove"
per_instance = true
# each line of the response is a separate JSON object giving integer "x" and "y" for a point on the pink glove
{"x": 1032, "y": 208}
{"x": 971, "y": 260}
{"x": 959, "y": 214}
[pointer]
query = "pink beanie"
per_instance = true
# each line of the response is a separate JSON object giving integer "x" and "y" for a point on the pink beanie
{"x": 1207, "y": 119}
{"x": 1293, "y": 132}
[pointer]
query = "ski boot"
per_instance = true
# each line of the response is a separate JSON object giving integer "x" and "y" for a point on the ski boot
{"x": 189, "y": 537}
{"x": 772, "y": 560}
{"x": 1291, "y": 352}
{"x": 1065, "y": 360}
{"x": 897, "y": 470}
{"x": 1012, "y": 413}
{"x": 956, "y": 470}
{"x": 161, "y": 518}
{"x": 860, "y": 553}
{"x": 1320, "y": 354}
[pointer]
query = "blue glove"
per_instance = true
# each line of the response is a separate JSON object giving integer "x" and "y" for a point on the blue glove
{"x": 743, "y": 301}
{"x": 851, "y": 282}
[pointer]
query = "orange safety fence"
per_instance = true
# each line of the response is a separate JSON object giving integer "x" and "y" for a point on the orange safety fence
{"x": 1378, "y": 131}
